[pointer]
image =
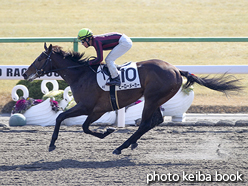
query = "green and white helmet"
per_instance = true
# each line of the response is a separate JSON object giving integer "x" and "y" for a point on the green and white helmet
{"x": 84, "y": 33}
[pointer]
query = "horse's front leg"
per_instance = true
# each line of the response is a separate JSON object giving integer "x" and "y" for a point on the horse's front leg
{"x": 59, "y": 120}
{"x": 90, "y": 119}
{"x": 77, "y": 110}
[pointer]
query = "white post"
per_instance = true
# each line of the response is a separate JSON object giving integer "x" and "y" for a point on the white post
{"x": 121, "y": 117}
{"x": 179, "y": 118}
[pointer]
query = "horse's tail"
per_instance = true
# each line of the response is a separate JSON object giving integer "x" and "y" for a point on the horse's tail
{"x": 224, "y": 83}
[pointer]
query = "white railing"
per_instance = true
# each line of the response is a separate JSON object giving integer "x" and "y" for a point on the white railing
{"x": 215, "y": 69}
{"x": 14, "y": 72}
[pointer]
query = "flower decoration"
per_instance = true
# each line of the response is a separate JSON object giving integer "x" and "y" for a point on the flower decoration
{"x": 57, "y": 95}
{"x": 71, "y": 104}
{"x": 22, "y": 105}
{"x": 54, "y": 105}
{"x": 138, "y": 101}
{"x": 132, "y": 104}
{"x": 37, "y": 101}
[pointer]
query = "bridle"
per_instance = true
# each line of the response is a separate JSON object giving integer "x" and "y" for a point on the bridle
{"x": 40, "y": 72}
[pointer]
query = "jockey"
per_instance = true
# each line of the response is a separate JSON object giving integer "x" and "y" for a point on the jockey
{"x": 118, "y": 43}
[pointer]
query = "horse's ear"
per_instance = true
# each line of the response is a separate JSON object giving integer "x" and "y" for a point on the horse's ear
{"x": 50, "y": 48}
{"x": 45, "y": 47}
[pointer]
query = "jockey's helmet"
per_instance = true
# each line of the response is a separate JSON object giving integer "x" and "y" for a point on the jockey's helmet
{"x": 84, "y": 33}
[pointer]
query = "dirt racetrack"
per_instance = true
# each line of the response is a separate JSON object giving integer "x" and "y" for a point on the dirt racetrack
{"x": 178, "y": 155}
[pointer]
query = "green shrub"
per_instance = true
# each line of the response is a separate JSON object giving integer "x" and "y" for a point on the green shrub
{"x": 34, "y": 87}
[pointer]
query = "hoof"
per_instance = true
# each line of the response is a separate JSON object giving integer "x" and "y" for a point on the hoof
{"x": 134, "y": 145}
{"x": 52, "y": 148}
{"x": 117, "y": 152}
{"x": 110, "y": 130}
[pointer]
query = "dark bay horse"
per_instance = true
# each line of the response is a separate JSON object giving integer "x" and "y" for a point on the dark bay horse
{"x": 159, "y": 80}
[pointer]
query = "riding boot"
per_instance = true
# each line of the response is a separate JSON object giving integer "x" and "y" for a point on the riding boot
{"x": 115, "y": 81}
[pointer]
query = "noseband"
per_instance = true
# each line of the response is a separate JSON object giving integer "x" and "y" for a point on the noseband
{"x": 40, "y": 72}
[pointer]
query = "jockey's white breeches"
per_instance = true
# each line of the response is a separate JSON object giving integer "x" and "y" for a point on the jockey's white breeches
{"x": 125, "y": 43}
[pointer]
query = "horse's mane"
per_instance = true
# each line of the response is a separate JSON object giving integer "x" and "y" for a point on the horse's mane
{"x": 71, "y": 55}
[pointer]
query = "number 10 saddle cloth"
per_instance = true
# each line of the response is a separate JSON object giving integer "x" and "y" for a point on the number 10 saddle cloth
{"x": 128, "y": 74}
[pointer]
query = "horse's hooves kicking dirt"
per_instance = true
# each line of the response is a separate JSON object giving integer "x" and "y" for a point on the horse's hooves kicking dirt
{"x": 110, "y": 130}
{"x": 51, "y": 148}
{"x": 117, "y": 152}
{"x": 134, "y": 145}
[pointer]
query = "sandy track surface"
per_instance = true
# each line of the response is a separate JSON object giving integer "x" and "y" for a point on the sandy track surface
{"x": 81, "y": 159}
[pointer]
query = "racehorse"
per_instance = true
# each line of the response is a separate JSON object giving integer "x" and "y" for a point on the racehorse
{"x": 159, "y": 80}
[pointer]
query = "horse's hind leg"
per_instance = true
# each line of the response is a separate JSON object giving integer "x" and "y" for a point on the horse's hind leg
{"x": 156, "y": 119}
{"x": 144, "y": 127}
{"x": 90, "y": 119}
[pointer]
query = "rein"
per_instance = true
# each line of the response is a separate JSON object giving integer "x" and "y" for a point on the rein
{"x": 41, "y": 71}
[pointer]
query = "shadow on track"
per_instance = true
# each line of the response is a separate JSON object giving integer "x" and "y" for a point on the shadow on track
{"x": 75, "y": 164}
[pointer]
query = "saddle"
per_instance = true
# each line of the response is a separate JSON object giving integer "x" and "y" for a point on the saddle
{"x": 105, "y": 70}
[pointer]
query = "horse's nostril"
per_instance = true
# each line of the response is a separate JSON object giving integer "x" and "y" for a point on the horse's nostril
{"x": 25, "y": 76}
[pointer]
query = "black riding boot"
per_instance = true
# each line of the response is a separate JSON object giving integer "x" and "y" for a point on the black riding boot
{"x": 115, "y": 81}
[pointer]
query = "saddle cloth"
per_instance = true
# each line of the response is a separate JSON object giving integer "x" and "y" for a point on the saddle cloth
{"x": 128, "y": 74}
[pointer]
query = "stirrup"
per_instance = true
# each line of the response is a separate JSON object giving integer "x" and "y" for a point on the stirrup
{"x": 115, "y": 81}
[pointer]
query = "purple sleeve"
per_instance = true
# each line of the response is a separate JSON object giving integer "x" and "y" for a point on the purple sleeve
{"x": 104, "y": 42}
{"x": 99, "y": 52}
